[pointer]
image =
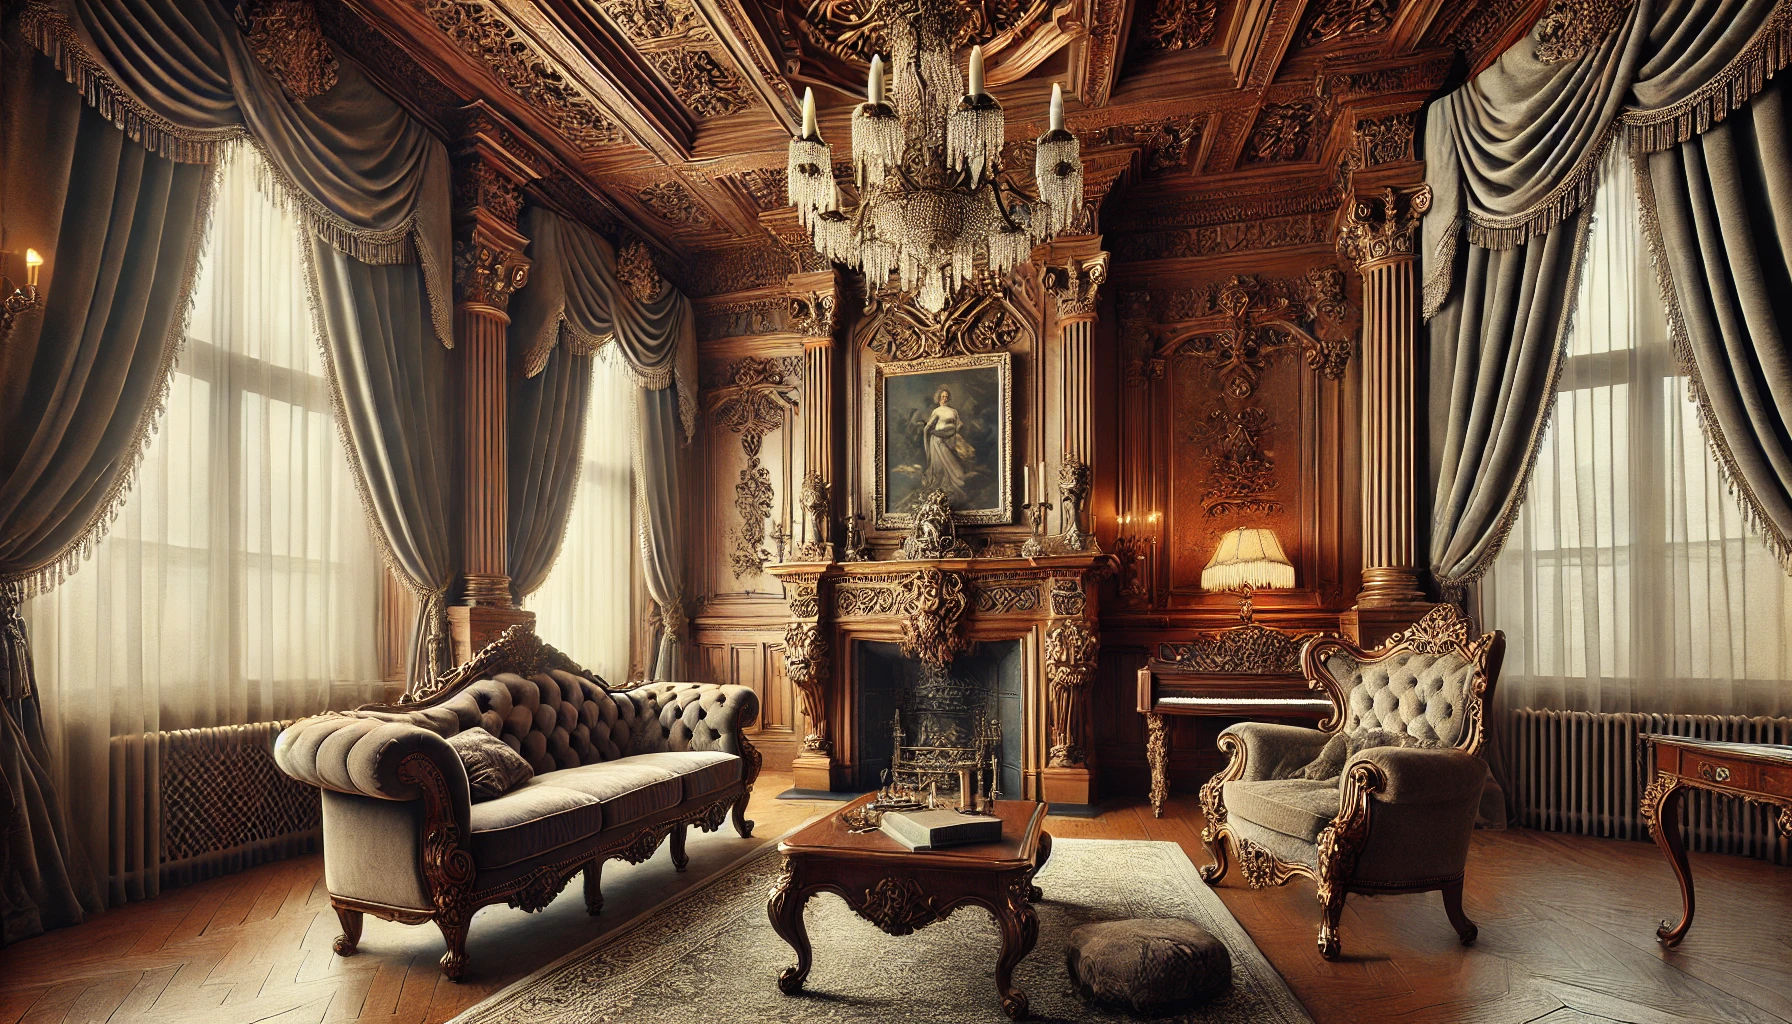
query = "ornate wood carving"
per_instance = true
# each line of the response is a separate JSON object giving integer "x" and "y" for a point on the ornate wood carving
{"x": 1282, "y": 132}
{"x": 983, "y": 319}
{"x": 742, "y": 319}
{"x": 705, "y": 85}
{"x": 1251, "y": 649}
{"x": 933, "y": 533}
{"x": 1385, "y": 140}
{"x": 635, "y": 268}
{"x": 448, "y": 867}
{"x": 1384, "y": 225}
{"x": 932, "y": 603}
{"x": 759, "y": 393}
{"x": 671, "y": 202}
{"x": 1336, "y": 19}
{"x": 1256, "y": 320}
{"x": 812, "y": 315}
{"x": 483, "y": 34}
{"x": 899, "y": 906}
{"x": 1219, "y": 239}
{"x": 284, "y": 35}
{"x": 1241, "y": 474}
{"x": 816, "y": 505}
{"x": 1180, "y": 24}
{"x": 1213, "y": 807}
{"x": 1569, "y": 28}
{"x": 1075, "y": 283}
{"x": 1340, "y": 844}
{"x": 806, "y": 655}
{"x": 1070, "y": 651}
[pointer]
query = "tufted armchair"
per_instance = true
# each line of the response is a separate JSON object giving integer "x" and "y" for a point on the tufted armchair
{"x": 617, "y": 771}
{"x": 1382, "y": 797}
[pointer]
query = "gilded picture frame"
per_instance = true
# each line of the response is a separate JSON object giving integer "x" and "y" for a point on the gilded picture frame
{"x": 963, "y": 445}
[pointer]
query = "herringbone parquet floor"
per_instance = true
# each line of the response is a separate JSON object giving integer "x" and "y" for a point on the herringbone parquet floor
{"x": 1566, "y": 937}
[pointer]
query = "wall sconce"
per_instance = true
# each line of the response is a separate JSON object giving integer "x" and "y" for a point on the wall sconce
{"x": 17, "y": 300}
{"x": 1132, "y": 549}
{"x": 1248, "y": 559}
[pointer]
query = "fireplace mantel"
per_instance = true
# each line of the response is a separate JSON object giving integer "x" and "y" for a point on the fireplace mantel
{"x": 935, "y": 609}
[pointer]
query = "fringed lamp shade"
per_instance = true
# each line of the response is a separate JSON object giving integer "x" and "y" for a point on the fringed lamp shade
{"x": 1248, "y": 556}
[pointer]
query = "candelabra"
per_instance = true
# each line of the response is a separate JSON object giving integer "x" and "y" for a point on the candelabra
{"x": 1132, "y": 549}
{"x": 856, "y": 548}
{"x": 1035, "y": 545}
{"x": 15, "y": 301}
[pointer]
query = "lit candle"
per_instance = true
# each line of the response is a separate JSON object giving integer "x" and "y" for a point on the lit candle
{"x": 1057, "y": 123}
{"x": 874, "y": 92}
{"x": 809, "y": 129}
{"x": 976, "y": 70}
{"x": 32, "y": 262}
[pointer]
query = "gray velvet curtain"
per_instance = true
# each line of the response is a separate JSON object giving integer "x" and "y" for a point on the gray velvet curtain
{"x": 394, "y": 406}
{"x": 547, "y": 435}
{"x": 1512, "y": 159}
{"x": 178, "y": 76}
{"x": 1718, "y": 210}
{"x": 575, "y": 301}
{"x": 81, "y": 386}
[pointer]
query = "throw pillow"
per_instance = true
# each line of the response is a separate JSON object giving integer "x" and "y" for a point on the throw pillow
{"x": 1341, "y": 748}
{"x": 493, "y": 769}
{"x": 1330, "y": 762}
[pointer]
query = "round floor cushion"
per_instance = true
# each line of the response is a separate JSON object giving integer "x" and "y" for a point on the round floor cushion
{"x": 1151, "y": 966}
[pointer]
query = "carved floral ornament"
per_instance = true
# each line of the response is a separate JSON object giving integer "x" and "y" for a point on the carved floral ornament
{"x": 1335, "y": 19}
{"x": 1075, "y": 283}
{"x": 487, "y": 275}
{"x": 1180, "y": 24}
{"x": 813, "y": 315}
{"x": 635, "y": 268}
{"x": 284, "y": 35}
{"x": 1070, "y": 652}
{"x": 1567, "y": 29}
{"x": 753, "y": 402}
{"x": 1237, "y": 327}
{"x": 984, "y": 319}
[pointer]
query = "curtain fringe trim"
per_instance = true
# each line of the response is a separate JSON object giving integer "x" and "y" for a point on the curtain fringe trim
{"x": 1734, "y": 481}
{"x": 1651, "y": 131}
{"x": 50, "y": 574}
{"x": 1456, "y": 587}
{"x": 1443, "y": 276}
{"x": 51, "y": 33}
{"x": 1575, "y": 191}
{"x": 561, "y": 329}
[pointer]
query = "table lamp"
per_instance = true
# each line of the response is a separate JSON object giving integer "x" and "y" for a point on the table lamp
{"x": 1248, "y": 558}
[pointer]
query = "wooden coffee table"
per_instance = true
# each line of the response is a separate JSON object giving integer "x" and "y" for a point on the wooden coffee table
{"x": 901, "y": 891}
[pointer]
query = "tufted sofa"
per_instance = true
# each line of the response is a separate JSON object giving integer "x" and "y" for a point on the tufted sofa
{"x": 1398, "y": 817}
{"x": 617, "y": 771}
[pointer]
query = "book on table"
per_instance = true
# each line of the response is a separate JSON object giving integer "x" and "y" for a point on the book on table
{"x": 940, "y": 828}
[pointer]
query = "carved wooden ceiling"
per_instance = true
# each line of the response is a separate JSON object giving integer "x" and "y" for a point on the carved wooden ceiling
{"x": 1226, "y": 124}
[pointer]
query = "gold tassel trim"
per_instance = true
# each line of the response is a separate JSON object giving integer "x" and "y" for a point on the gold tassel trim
{"x": 1575, "y": 191}
{"x": 1746, "y": 500}
{"x": 1443, "y": 274}
{"x": 1651, "y": 131}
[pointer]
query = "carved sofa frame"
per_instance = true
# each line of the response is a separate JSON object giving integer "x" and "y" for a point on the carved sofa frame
{"x": 1372, "y": 780}
{"x": 413, "y": 767}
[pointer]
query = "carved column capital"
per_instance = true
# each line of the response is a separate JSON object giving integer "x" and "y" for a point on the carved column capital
{"x": 489, "y": 264}
{"x": 1075, "y": 283}
{"x": 1383, "y": 226}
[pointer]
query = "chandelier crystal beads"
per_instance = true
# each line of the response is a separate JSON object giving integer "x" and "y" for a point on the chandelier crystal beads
{"x": 926, "y": 158}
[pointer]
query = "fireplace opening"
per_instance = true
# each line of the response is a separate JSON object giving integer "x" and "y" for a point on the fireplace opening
{"x": 939, "y": 709}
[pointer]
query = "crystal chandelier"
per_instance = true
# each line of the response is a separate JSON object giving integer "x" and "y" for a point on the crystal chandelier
{"x": 931, "y": 204}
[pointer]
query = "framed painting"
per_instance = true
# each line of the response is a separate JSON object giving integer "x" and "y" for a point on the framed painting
{"x": 947, "y": 425}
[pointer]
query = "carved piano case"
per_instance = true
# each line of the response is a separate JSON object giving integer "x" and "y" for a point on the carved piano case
{"x": 1249, "y": 671}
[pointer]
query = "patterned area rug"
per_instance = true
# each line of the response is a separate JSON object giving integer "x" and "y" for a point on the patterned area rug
{"x": 711, "y": 955}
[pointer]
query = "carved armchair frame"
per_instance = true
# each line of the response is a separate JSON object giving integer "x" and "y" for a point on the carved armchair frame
{"x": 448, "y": 868}
{"x": 1340, "y": 844}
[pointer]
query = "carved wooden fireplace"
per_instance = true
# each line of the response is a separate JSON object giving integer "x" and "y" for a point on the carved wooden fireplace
{"x": 936, "y": 610}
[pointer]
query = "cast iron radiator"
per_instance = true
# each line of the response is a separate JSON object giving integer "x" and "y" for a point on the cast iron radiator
{"x": 225, "y": 805}
{"x": 1579, "y": 772}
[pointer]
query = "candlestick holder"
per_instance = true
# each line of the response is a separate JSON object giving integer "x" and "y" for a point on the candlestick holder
{"x": 856, "y": 548}
{"x": 1035, "y": 545}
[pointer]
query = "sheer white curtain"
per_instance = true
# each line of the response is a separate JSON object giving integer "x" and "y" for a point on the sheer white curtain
{"x": 585, "y": 606}
{"x": 240, "y": 583}
{"x": 1630, "y": 581}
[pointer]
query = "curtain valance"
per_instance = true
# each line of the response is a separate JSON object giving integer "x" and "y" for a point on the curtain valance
{"x": 573, "y": 294}
{"x": 181, "y": 78}
{"x": 1516, "y": 150}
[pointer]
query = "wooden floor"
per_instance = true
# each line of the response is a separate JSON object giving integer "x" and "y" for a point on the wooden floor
{"x": 1566, "y": 936}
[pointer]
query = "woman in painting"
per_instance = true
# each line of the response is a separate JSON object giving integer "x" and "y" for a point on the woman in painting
{"x": 949, "y": 455}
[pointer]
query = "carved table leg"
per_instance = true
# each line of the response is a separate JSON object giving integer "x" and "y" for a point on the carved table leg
{"x": 1034, "y": 893}
{"x": 350, "y": 939}
{"x": 786, "y": 912}
{"x": 1330, "y": 911}
{"x": 680, "y": 859}
{"x": 1465, "y": 929}
{"x": 1020, "y": 930}
{"x": 1661, "y": 809}
{"x": 1157, "y": 751}
{"x": 594, "y": 892}
{"x": 454, "y": 933}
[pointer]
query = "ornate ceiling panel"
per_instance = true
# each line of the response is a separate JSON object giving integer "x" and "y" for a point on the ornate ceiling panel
{"x": 1228, "y": 124}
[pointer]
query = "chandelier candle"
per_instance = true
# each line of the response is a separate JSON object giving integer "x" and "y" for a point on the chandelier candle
{"x": 933, "y": 209}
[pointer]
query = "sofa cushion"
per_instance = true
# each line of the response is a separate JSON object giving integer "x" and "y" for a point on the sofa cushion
{"x": 493, "y": 769}
{"x": 1301, "y": 808}
{"x": 627, "y": 791}
{"x": 703, "y": 771}
{"x": 531, "y": 820}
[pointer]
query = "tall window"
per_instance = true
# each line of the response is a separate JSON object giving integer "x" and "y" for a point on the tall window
{"x": 1630, "y": 581}
{"x": 586, "y": 605}
{"x": 240, "y": 582}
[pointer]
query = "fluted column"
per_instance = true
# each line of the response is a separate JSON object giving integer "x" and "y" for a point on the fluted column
{"x": 813, "y": 303}
{"x": 1072, "y": 275}
{"x": 489, "y": 266}
{"x": 1379, "y": 235}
